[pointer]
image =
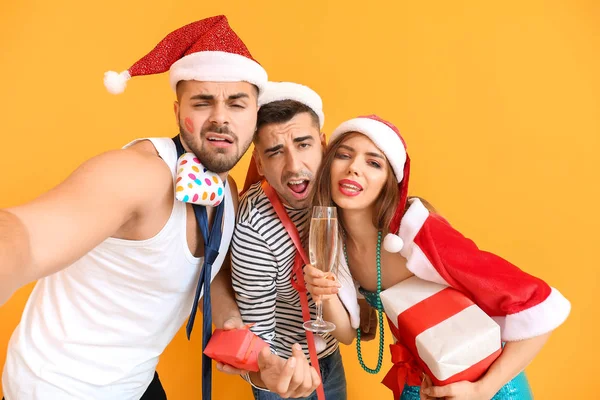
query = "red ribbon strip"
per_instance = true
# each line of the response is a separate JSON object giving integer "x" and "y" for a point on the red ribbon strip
{"x": 420, "y": 317}
{"x": 298, "y": 272}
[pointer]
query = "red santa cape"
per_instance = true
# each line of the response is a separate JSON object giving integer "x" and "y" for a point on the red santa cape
{"x": 524, "y": 306}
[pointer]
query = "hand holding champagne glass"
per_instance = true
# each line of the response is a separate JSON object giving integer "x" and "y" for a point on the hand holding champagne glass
{"x": 323, "y": 252}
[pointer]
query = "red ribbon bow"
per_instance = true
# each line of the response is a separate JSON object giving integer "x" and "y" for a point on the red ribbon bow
{"x": 404, "y": 371}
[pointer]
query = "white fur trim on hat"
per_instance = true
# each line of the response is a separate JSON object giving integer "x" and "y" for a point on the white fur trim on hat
{"x": 384, "y": 137}
{"x": 217, "y": 66}
{"x": 278, "y": 91}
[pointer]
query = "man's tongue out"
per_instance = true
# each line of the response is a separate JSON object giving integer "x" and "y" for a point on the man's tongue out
{"x": 298, "y": 187}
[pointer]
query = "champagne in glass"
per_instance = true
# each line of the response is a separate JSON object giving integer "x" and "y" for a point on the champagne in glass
{"x": 323, "y": 252}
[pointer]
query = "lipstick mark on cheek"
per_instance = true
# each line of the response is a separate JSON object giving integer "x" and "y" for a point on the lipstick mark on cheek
{"x": 189, "y": 124}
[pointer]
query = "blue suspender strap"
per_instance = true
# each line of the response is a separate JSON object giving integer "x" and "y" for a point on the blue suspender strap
{"x": 212, "y": 242}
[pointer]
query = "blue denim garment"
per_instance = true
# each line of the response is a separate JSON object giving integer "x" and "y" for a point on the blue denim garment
{"x": 334, "y": 381}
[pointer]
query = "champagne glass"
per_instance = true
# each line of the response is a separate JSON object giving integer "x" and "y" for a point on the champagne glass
{"x": 323, "y": 251}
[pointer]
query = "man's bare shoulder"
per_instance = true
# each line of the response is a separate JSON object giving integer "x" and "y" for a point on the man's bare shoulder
{"x": 106, "y": 193}
{"x": 133, "y": 175}
{"x": 144, "y": 147}
{"x": 141, "y": 160}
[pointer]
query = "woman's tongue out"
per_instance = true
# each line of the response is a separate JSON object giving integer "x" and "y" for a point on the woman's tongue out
{"x": 298, "y": 188}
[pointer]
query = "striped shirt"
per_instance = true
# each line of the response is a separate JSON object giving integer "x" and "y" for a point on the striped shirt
{"x": 262, "y": 255}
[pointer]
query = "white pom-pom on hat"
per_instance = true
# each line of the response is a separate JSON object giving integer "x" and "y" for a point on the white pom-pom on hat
{"x": 116, "y": 82}
{"x": 392, "y": 243}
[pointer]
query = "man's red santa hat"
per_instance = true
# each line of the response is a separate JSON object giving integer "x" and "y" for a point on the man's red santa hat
{"x": 205, "y": 50}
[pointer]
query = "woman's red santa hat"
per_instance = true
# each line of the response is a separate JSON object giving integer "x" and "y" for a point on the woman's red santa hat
{"x": 205, "y": 50}
{"x": 388, "y": 139}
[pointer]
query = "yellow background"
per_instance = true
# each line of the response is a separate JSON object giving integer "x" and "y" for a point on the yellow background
{"x": 499, "y": 103}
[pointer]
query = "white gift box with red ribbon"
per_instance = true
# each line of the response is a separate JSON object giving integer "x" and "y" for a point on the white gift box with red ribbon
{"x": 450, "y": 337}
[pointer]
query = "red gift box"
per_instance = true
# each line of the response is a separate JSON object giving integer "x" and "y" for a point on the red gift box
{"x": 440, "y": 331}
{"x": 236, "y": 347}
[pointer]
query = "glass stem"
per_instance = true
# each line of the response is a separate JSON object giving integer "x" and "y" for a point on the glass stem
{"x": 319, "y": 312}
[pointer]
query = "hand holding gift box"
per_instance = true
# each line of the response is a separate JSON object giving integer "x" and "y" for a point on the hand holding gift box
{"x": 440, "y": 331}
{"x": 236, "y": 347}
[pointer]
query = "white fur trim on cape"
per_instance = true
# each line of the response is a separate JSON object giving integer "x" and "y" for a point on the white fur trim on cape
{"x": 417, "y": 262}
{"x": 217, "y": 66}
{"x": 278, "y": 91}
{"x": 537, "y": 320}
{"x": 382, "y": 135}
{"x": 348, "y": 293}
{"x": 412, "y": 221}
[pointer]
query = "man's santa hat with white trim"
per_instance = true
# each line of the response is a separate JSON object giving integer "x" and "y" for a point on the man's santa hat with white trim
{"x": 205, "y": 50}
{"x": 523, "y": 305}
{"x": 388, "y": 139}
{"x": 280, "y": 91}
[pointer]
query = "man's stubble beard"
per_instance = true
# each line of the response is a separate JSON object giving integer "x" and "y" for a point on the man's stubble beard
{"x": 216, "y": 161}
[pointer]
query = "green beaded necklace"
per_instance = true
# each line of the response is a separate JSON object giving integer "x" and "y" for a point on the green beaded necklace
{"x": 379, "y": 313}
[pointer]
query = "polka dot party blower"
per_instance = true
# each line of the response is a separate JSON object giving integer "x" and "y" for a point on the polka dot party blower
{"x": 197, "y": 185}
